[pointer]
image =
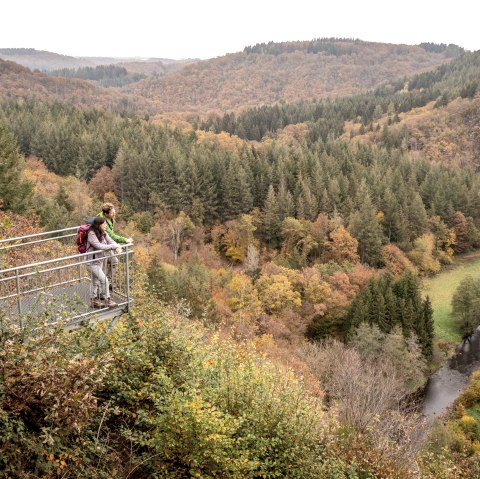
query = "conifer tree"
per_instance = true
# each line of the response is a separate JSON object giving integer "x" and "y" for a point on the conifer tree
{"x": 407, "y": 316}
{"x": 62, "y": 199}
{"x": 15, "y": 193}
{"x": 286, "y": 206}
{"x": 271, "y": 222}
{"x": 428, "y": 333}
{"x": 417, "y": 216}
{"x": 236, "y": 194}
{"x": 391, "y": 310}
{"x": 368, "y": 232}
{"x": 377, "y": 306}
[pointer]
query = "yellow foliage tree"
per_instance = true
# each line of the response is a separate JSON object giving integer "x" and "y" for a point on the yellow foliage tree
{"x": 277, "y": 293}
{"x": 445, "y": 239}
{"x": 242, "y": 294}
{"x": 422, "y": 254}
{"x": 315, "y": 289}
{"x": 237, "y": 237}
{"x": 178, "y": 230}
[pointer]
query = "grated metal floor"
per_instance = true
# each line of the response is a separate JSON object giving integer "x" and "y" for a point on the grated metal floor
{"x": 68, "y": 303}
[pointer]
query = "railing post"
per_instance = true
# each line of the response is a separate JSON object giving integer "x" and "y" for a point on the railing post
{"x": 19, "y": 299}
{"x": 54, "y": 274}
{"x": 127, "y": 274}
{"x": 79, "y": 270}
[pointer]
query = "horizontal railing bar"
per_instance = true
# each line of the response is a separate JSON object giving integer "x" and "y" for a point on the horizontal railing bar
{"x": 14, "y": 295}
{"x": 81, "y": 255}
{"x": 49, "y": 270}
{"x": 36, "y": 242}
{"x": 35, "y": 235}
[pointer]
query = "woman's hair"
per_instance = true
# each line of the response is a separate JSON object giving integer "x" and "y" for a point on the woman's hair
{"x": 98, "y": 220}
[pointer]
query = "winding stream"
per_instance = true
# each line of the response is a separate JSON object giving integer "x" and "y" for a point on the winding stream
{"x": 448, "y": 382}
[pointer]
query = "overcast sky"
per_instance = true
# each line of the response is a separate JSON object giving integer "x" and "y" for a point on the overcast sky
{"x": 209, "y": 28}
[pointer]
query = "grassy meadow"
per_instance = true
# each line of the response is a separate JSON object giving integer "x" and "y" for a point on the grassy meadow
{"x": 441, "y": 288}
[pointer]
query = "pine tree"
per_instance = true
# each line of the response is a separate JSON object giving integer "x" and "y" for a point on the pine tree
{"x": 62, "y": 199}
{"x": 407, "y": 316}
{"x": 235, "y": 191}
{"x": 416, "y": 216}
{"x": 391, "y": 310}
{"x": 271, "y": 222}
{"x": 286, "y": 205}
{"x": 377, "y": 306}
{"x": 368, "y": 232}
{"x": 15, "y": 193}
{"x": 428, "y": 328}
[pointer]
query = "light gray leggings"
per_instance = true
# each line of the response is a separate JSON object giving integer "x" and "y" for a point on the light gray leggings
{"x": 99, "y": 284}
{"x": 111, "y": 264}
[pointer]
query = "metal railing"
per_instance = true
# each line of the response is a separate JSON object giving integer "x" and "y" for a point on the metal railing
{"x": 44, "y": 271}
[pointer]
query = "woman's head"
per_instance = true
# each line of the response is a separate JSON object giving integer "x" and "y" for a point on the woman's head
{"x": 99, "y": 226}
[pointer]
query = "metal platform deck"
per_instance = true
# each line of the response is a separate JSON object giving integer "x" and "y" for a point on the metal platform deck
{"x": 71, "y": 303}
{"x": 42, "y": 275}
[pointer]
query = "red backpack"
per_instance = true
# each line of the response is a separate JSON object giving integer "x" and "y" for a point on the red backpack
{"x": 82, "y": 235}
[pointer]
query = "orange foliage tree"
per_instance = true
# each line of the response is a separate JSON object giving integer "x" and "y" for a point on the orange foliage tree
{"x": 343, "y": 246}
{"x": 103, "y": 182}
{"x": 396, "y": 261}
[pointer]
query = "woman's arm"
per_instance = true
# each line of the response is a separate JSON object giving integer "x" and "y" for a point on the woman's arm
{"x": 110, "y": 241}
{"x": 94, "y": 242}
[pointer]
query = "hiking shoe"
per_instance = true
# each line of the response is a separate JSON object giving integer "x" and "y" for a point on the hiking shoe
{"x": 110, "y": 304}
{"x": 95, "y": 303}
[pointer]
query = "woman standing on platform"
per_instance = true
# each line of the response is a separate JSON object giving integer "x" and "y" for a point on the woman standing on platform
{"x": 98, "y": 239}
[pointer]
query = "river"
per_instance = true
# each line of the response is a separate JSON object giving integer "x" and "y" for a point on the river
{"x": 447, "y": 383}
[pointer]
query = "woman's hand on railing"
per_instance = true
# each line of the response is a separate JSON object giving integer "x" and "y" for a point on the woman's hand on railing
{"x": 118, "y": 250}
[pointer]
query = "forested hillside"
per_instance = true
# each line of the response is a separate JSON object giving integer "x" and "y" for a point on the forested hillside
{"x": 289, "y": 72}
{"x": 104, "y": 75}
{"x": 327, "y": 118}
{"x": 279, "y": 327}
{"x": 41, "y": 60}
{"x": 18, "y": 82}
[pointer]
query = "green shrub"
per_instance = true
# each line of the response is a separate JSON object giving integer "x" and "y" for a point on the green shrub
{"x": 157, "y": 396}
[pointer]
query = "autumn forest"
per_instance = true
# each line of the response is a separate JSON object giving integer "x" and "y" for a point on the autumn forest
{"x": 286, "y": 203}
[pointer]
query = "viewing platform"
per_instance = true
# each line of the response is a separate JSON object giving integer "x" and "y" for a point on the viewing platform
{"x": 43, "y": 273}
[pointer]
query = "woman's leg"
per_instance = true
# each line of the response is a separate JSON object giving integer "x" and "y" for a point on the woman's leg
{"x": 93, "y": 270}
{"x": 100, "y": 282}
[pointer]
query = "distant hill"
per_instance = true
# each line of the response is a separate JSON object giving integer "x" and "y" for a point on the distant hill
{"x": 48, "y": 61}
{"x": 155, "y": 66}
{"x": 291, "y": 71}
{"x": 42, "y": 60}
{"x": 18, "y": 82}
{"x": 139, "y": 60}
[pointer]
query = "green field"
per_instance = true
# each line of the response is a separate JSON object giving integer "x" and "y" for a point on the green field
{"x": 441, "y": 288}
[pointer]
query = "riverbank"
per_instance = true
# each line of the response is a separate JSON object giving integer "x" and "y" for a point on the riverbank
{"x": 440, "y": 289}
